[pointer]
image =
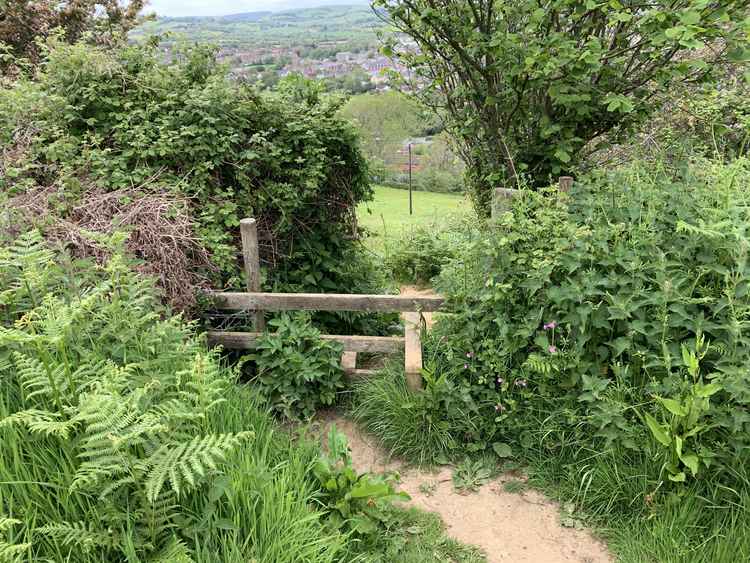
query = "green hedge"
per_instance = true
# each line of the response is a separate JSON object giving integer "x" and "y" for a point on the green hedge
{"x": 125, "y": 121}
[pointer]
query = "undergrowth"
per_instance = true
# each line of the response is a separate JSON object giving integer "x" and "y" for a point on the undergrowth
{"x": 124, "y": 439}
{"x": 601, "y": 340}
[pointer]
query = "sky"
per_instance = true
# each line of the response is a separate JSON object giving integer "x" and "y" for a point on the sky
{"x": 225, "y": 7}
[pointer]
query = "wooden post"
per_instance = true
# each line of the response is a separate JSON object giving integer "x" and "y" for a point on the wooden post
{"x": 349, "y": 362}
{"x": 413, "y": 351}
{"x": 251, "y": 258}
{"x": 565, "y": 183}
{"x": 411, "y": 205}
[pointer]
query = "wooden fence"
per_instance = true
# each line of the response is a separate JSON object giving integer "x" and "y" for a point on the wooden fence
{"x": 255, "y": 302}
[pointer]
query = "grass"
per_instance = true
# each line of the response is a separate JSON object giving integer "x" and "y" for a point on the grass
{"x": 613, "y": 490}
{"x": 387, "y": 216}
{"x": 403, "y": 422}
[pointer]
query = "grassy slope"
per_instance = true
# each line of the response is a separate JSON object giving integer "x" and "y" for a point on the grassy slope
{"x": 388, "y": 215}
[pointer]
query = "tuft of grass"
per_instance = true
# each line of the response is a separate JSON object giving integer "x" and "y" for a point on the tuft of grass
{"x": 618, "y": 492}
{"x": 402, "y": 420}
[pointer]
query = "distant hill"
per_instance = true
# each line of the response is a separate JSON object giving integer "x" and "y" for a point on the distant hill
{"x": 355, "y": 24}
{"x": 244, "y": 17}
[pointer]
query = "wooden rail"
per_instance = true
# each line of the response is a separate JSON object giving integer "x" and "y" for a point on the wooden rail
{"x": 247, "y": 341}
{"x": 256, "y": 302}
{"x": 324, "y": 302}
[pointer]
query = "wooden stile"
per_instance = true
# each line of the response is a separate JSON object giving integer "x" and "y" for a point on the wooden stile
{"x": 254, "y": 300}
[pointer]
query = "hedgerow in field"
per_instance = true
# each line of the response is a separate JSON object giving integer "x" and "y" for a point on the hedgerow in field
{"x": 178, "y": 152}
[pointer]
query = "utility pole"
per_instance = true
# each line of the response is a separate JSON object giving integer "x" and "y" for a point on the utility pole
{"x": 411, "y": 206}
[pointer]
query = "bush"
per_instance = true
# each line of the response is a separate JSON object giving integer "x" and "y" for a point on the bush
{"x": 297, "y": 371}
{"x": 417, "y": 256}
{"x": 113, "y": 127}
{"x": 421, "y": 252}
{"x": 622, "y": 308}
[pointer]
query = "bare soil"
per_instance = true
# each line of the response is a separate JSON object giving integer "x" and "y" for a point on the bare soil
{"x": 507, "y": 526}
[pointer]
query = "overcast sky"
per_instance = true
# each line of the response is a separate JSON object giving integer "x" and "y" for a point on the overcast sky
{"x": 224, "y": 7}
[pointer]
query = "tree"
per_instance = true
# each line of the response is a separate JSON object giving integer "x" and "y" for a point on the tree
{"x": 529, "y": 87}
{"x": 25, "y": 22}
{"x": 384, "y": 120}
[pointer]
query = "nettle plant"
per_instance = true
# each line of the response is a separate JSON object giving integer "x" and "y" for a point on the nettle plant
{"x": 296, "y": 370}
{"x": 574, "y": 304}
{"x": 106, "y": 401}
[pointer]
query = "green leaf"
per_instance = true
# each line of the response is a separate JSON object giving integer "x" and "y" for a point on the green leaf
{"x": 690, "y": 18}
{"x": 562, "y": 156}
{"x": 678, "y": 477}
{"x": 691, "y": 462}
{"x": 675, "y": 407}
{"x": 704, "y": 391}
{"x": 675, "y": 32}
{"x": 502, "y": 449}
{"x": 660, "y": 432}
{"x": 366, "y": 488}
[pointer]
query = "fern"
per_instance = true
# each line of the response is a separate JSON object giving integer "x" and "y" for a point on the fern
{"x": 184, "y": 465}
{"x": 10, "y": 552}
{"x": 40, "y": 380}
{"x": 41, "y": 422}
{"x": 174, "y": 552}
{"x": 80, "y": 534}
{"x": 121, "y": 398}
{"x": 158, "y": 517}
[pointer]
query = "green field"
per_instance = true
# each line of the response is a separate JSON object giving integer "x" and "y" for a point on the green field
{"x": 387, "y": 216}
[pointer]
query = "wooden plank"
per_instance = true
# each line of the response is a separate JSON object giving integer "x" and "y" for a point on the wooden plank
{"x": 349, "y": 361}
{"x": 246, "y": 341}
{"x": 564, "y": 183}
{"x": 358, "y": 373}
{"x": 413, "y": 351}
{"x": 251, "y": 258}
{"x": 324, "y": 302}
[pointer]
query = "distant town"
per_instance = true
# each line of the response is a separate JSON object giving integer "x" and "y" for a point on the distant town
{"x": 368, "y": 66}
{"x": 336, "y": 44}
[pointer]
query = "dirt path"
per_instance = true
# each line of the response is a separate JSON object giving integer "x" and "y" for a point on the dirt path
{"x": 509, "y": 527}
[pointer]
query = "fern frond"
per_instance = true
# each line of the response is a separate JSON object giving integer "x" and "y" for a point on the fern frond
{"x": 159, "y": 517}
{"x": 41, "y": 422}
{"x": 10, "y": 552}
{"x": 81, "y": 534}
{"x": 48, "y": 382}
{"x": 537, "y": 364}
{"x": 184, "y": 464}
{"x": 174, "y": 552}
